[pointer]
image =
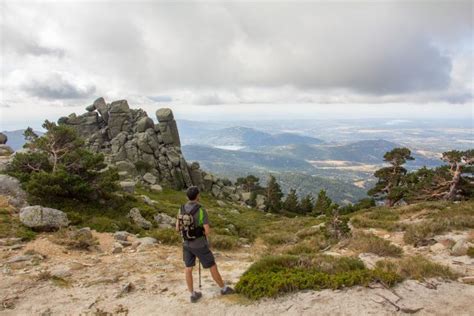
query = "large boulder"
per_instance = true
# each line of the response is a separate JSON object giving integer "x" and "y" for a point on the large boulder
{"x": 5, "y": 150}
{"x": 164, "y": 220}
{"x": 138, "y": 219}
{"x": 11, "y": 188}
{"x": 144, "y": 123}
{"x": 43, "y": 218}
{"x": 3, "y": 138}
{"x": 119, "y": 118}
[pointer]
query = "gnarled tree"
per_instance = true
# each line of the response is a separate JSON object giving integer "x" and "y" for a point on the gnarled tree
{"x": 391, "y": 184}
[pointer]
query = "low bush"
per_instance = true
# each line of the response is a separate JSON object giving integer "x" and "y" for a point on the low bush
{"x": 279, "y": 238}
{"x": 222, "y": 242}
{"x": 275, "y": 275}
{"x": 11, "y": 227}
{"x": 167, "y": 236}
{"x": 417, "y": 267}
{"x": 309, "y": 246}
{"x": 363, "y": 242}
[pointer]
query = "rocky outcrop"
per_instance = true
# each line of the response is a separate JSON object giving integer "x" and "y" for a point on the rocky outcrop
{"x": 142, "y": 150}
{"x": 3, "y": 139}
{"x": 43, "y": 218}
{"x": 11, "y": 188}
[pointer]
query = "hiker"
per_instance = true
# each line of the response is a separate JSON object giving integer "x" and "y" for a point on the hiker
{"x": 193, "y": 224}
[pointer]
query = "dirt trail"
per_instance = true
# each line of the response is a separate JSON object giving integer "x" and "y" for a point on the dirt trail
{"x": 96, "y": 282}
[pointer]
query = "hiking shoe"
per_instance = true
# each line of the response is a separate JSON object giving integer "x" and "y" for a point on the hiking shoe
{"x": 227, "y": 290}
{"x": 195, "y": 297}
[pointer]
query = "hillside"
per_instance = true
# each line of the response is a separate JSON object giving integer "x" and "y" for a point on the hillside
{"x": 142, "y": 278}
{"x": 243, "y": 137}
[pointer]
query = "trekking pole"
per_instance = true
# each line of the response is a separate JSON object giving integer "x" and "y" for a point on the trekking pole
{"x": 199, "y": 262}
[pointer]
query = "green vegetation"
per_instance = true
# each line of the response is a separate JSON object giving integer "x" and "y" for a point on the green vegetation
{"x": 391, "y": 180}
{"x": 273, "y": 196}
{"x": 167, "y": 236}
{"x": 223, "y": 242}
{"x": 275, "y": 275}
{"x": 10, "y": 227}
{"x": 291, "y": 203}
{"x": 59, "y": 167}
{"x": 449, "y": 182}
{"x": 370, "y": 243}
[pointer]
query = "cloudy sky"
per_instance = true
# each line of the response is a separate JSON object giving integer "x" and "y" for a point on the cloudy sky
{"x": 222, "y": 59}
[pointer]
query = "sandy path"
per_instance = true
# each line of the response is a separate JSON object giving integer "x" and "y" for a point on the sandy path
{"x": 96, "y": 280}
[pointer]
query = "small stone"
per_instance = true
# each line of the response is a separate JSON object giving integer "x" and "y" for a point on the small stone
{"x": 149, "y": 178}
{"x": 148, "y": 201}
{"x": 117, "y": 248}
{"x": 460, "y": 248}
{"x": 221, "y": 203}
{"x": 61, "y": 271}
{"x": 156, "y": 188}
{"x": 437, "y": 247}
{"x": 121, "y": 235}
{"x": 128, "y": 186}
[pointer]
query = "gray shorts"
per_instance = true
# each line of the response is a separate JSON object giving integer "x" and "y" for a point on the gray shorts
{"x": 204, "y": 255}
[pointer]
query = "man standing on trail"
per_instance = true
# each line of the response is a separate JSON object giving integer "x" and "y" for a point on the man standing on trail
{"x": 193, "y": 224}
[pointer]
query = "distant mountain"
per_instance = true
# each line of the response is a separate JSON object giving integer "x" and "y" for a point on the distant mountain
{"x": 222, "y": 161}
{"x": 290, "y": 172}
{"x": 16, "y": 140}
{"x": 366, "y": 152}
{"x": 244, "y": 137}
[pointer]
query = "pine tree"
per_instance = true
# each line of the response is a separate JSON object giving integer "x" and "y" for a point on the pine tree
{"x": 273, "y": 195}
{"x": 392, "y": 180}
{"x": 58, "y": 166}
{"x": 306, "y": 204}
{"x": 291, "y": 202}
{"x": 323, "y": 204}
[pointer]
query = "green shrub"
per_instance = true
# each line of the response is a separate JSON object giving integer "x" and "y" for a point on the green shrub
{"x": 60, "y": 167}
{"x": 223, "y": 242}
{"x": 279, "y": 238}
{"x": 370, "y": 243}
{"x": 11, "y": 227}
{"x": 276, "y": 275}
{"x": 167, "y": 236}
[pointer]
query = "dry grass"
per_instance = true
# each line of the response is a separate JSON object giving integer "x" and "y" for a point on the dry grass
{"x": 418, "y": 268}
{"x": 363, "y": 242}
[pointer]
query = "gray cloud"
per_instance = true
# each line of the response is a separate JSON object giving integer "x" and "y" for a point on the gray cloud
{"x": 56, "y": 86}
{"x": 218, "y": 53}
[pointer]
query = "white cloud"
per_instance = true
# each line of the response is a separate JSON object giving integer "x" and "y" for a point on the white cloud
{"x": 209, "y": 53}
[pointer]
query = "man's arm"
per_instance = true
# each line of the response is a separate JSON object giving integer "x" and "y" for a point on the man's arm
{"x": 207, "y": 230}
{"x": 177, "y": 222}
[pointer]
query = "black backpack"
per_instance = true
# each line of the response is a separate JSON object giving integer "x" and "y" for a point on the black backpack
{"x": 189, "y": 229}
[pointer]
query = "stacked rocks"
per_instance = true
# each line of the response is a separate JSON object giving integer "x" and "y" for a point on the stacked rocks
{"x": 142, "y": 150}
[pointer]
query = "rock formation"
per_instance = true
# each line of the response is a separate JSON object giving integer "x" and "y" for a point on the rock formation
{"x": 142, "y": 150}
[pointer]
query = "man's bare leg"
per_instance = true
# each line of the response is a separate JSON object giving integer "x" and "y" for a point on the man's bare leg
{"x": 189, "y": 279}
{"x": 217, "y": 276}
